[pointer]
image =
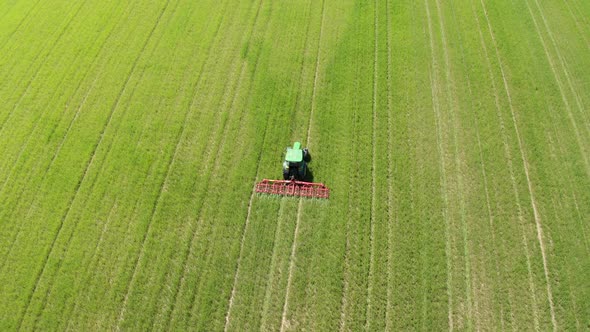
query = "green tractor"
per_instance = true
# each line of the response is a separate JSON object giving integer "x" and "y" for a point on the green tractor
{"x": 295, "y": 164}
{"x": 296, "y": 177}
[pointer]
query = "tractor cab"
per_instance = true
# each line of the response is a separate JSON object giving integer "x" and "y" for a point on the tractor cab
{"x": 295, "y": 164}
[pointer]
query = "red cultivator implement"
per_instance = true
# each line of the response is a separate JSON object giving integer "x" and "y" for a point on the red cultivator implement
{"x": 292, "y": 188}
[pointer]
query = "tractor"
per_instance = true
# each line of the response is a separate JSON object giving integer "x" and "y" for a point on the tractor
{"x": 295, "y": 177}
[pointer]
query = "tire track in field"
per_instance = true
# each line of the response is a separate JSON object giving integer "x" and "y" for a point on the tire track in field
{"x": 535, "y": 310}
{"x": 284, "y": 322}
{"x": 214, "y": 162}
{"x": 20, "y": 23}
{"x": 390, "y": 177}
{"x": 268, "y": 288}
{"x": 31, "y": 206}
{"x": 43, "y": 62}
{"x": 560, "y": 57}
{"x": 249, "y": 211}
{"x": 244, "y": 68}
{"x": 443, "y": 177}
{"x": 91, "y": 160}
{"x": 459, "y": 177}
{"x": 577, "y": 23}
{"x": 67, "y": 245}
{"x": 56, "y": 153}
{"x": 560, "y": 84}
{"x": 182, "y": 137}
{"x": 557, "y": 200}
{"x": 279, "y": 213}
{"x": 370, "y": 271}
{"x": 89, "y": 267}
{"x": 523, "y": 157}
{"x": 490, "y": 213}
{"x": 163, "y": 185}
{"x": 96, "y": 249}
{"x": 38, "y": 121}
{"x": 556, "y": 153}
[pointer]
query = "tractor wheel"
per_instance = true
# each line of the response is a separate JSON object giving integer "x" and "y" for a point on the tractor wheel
{"x": 306, "y": 155}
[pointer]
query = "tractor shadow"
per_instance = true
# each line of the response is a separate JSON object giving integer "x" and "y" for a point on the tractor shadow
{"x": 308, "y": 175}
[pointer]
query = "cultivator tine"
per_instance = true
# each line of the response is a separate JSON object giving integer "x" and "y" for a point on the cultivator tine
{"x": 292, "y": 188}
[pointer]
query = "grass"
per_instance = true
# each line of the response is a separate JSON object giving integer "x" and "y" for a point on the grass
{"x": 454, "y": 137}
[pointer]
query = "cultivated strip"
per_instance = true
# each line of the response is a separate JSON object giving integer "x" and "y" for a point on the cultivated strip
{"x": 561, "y": 61}
{"x": 268, "y": 288}
{"x": 249, "y": 212}
{"x": 490, "y": 213}
{"x": 523, "y": 157}
{"x": 562, "y": 92}
{"x": 390, "y": 178}
{"x": 284, "y": 323}
{"x": 38, "y": 121}
{"x": 373, "y": 170}
{"x": 510, "y": 167}
{"x": 577, "y": 23}
{"x": 435, "y": 105}
{"x": 196, "y": 228}
{"x": 38, "y": 69}
{"x": 450, "y": 98}
{"x": 20, "y": 23}
{"x": 239, "y": 82}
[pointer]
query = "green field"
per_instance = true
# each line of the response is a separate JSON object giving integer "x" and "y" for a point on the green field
{"x": 454, "y": 136}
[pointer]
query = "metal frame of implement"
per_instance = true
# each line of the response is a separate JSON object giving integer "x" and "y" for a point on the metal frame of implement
{"x": 293, "y": 188}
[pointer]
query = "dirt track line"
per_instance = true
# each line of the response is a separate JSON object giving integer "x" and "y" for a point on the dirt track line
{"x": 180, "y": 139}
{"x": 19, "y": 23}
{"x": 244, "y": 231}
{"x": 268, "y": 288}
{"x": 562, "y": 92}
{"x": 435, "y": 105}
{"x": 116, "y": 106}
{"x": 560, "y": 57}
{"x": 509, "y": 157}
{"x": 273, "y": 263}
{"x": 43, "y": 62}
{"x": 536, "y": 214}
{"x": 249, "y": 213}
{"x": 490, "y": 213}
{"x": 370, "y": 271}
{"x": 575, "y": 19}
{"x": 284, "y": 323}
{"x": 95, "y": 251}
{"x": 451, "y": 97}
{"x": 390, "y": 178}
{"x": 497, "y": 103}
{"x": 483, "y": 170}
{"x": 238, "y": 88}
{"x": 247, "y": 223}
{"x": 19, "y": 229}
{"x": 188, "y": 250}
{"x": 38, "y": 121}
